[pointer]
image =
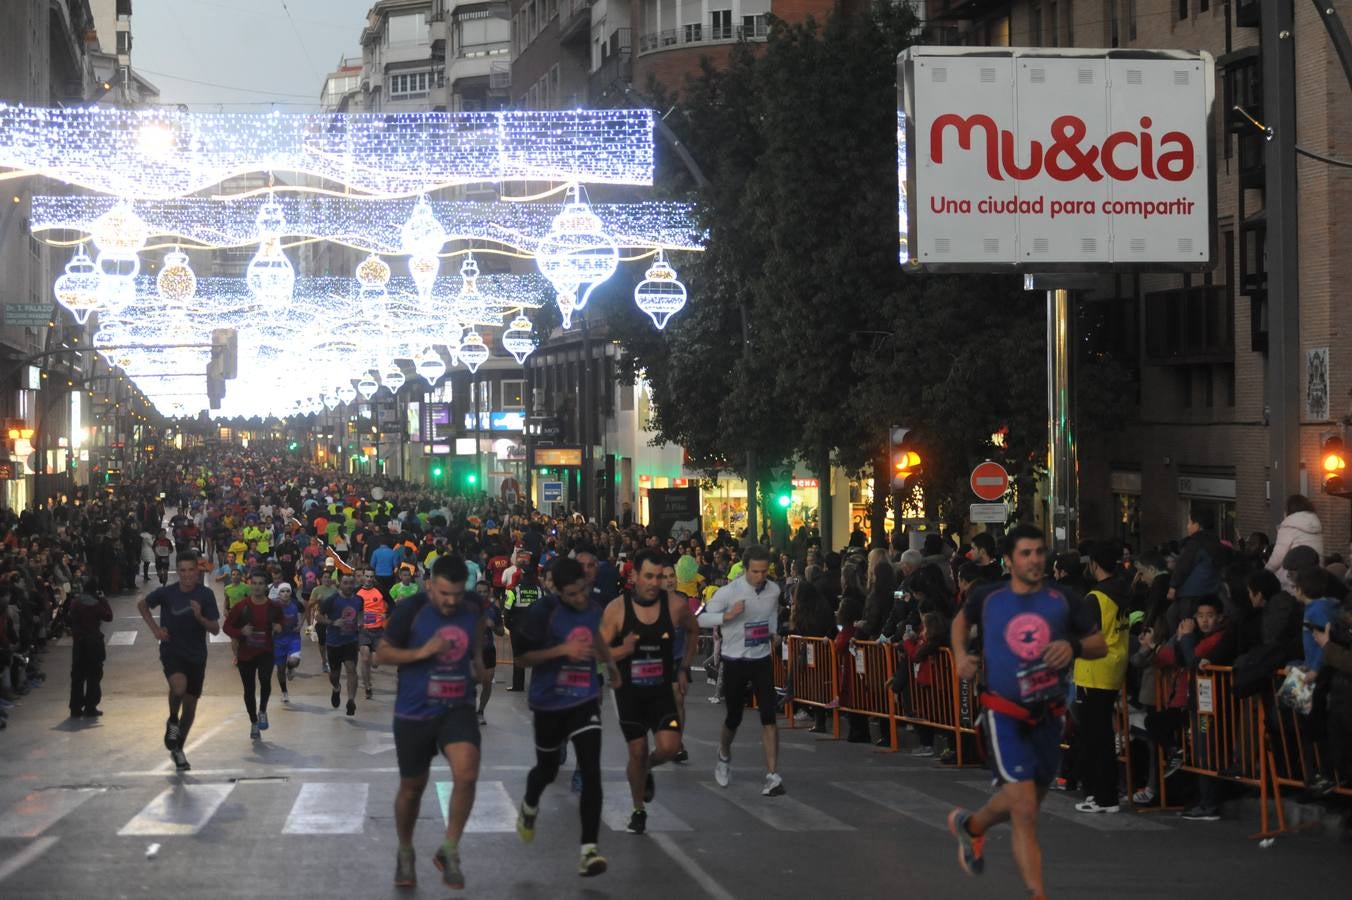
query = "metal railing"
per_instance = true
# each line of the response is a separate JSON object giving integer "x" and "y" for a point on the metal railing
{"x": 698, "y": 33}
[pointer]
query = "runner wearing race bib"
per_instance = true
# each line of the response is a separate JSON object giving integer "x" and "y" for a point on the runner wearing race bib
{"x": 375, "y": 610}
{"x": 341, "y": 613}
{"x": 252, "y": 625}
{"x": 286, "y": 644}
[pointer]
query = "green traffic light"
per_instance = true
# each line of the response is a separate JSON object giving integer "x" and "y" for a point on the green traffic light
{"x": 436, "y": 472}
{"x": 293, "y": 445}
{"x": 471, "y": 478}
{"x": 785, "y": 500}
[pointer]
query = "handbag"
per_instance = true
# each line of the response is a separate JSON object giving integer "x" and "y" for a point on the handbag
{"x": 1295, "y": 693}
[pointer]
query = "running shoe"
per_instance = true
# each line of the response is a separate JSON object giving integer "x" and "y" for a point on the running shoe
{"x": 723, "y": 771}
{"x": 352, "y": 707}
{"x": 649, "y": 788}
{"x": 1091, "y": 806}
{"x": 335, "y": 698}
{"x": 368, "y": 693}
{"x": 1144, "y": 797}
{"x": 969, "y": 848}
{"x": 592, "y": 863}
{"x": 180, "y": 760}
{"x": 525, "y": 824}
{"x": 482, "y": 720}
{"x": 923, "y": 752}
{"x": 326, "y": 668}
{"x": 1200, "y": 813}
{"x": 681, "y": 755}
{"x": 286, "y": 698}
{"x": 405, "y": 869}
{"x": 262, "y": 721}
{"x": 774, "y": 785}
{"x": 449, "y": 866}
{"x": 1174, "y": 764}
{"x": 172, "y": 735}
{"x": 638, "y": 822}
{"x": 255, "y": 734}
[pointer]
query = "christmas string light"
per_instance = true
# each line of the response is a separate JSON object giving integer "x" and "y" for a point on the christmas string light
{"x": 163, "y": 153}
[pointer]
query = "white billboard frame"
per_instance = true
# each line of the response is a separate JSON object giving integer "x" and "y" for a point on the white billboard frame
{"x": 1013, "y": 255}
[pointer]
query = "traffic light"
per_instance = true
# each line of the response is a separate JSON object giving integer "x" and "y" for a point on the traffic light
{"x": 293, "y": 445}
{"x": 471, "y": 479}
{"x": 905, "y": 458}
{"x": 784, "y": 497}
{"x": 1333, "y": 462}
{"x": 437, "y": 471}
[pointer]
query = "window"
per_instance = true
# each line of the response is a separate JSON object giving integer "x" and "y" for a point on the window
{"x": 1035, "y": 24}
{"x": 408, "y": 85}
{"x": 1182, "y": 10}
{"x": 694, "y": 33}
{"x": 513, "y": 394}
{"x": 1110, "y": 18}
{"x": 410, "y": 28}
{"x": 753, "y": 26}
{"x": 1131, "y": 20}
{"x": 1070, "y": 21}
{"x": 1053, "y": 27}
{"x": 478, "y": 34}
{"x": 720, "y": 25}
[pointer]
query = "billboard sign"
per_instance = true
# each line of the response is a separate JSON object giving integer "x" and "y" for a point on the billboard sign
{"x": 1047, "y": 160}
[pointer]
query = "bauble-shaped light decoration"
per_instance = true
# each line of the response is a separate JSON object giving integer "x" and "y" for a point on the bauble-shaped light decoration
{"x": 660, "y": 294}
{"x": 176, "y": 282}
{"x": 120, "y": 231}
{"x": 367, "y": 386}
{"x": 577, "y": 254}
{"x": 270, "y": 275}
{"x": 469, "y": 306}
{"x": 346, "y": 392}
{"x": 78, "y": 289}
{"x": 519, "y": 339}
{"x": 393, "y": 378}
{"x": 473, "y": 351}
{"x": 373, "y": 273}
{"x": 424, "y": 271}
{"x": 422, "y": 234}
{"x": 567, "y": 303}
{"x": 430, "y": 366}
{"x": 330, "y": 401}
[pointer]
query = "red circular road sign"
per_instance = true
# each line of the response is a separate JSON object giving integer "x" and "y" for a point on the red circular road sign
{"x": 990, "y": 481}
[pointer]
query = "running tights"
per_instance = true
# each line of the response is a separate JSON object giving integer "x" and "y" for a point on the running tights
{"x": 259, "y": 670}
{"x": 587, "y": 745}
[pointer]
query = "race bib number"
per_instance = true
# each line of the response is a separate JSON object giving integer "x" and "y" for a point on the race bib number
{"x": 756, "y": 634}
{"x": 372, "y": 619}
{"x": 257, "y": 639}
{"x": 445, "y": 687}
{"x": 1039, "y": 683}
{"x": 348, "y": 626}
{"x": 572, "y": 679}
{"x": 646, "y": 672}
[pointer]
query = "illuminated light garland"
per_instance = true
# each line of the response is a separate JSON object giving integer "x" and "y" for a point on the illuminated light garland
{"x": 176, "y": 282}
{"x": 78, "y": 289}
{"x": 162, "y": 153}
{"x": 660, "y": 294}
{"x": 519, "y": 339}
{"x": 376, "y": 226}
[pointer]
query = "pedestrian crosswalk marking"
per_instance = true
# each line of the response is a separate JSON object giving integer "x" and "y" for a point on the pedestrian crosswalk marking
{"x": 915, "y": 805}
{"x": 122, "y": 638}
{"x": 617, "y": 805}
{"x": 494, "y": 810}
{"x": 1062, "y": 808}
{"x": 180, "y": 810}
{"x": 38, "y": 811}
{"x": 780, "y": 813}
{"x": 328, "y": 808}
{"x": 219, "y": 638}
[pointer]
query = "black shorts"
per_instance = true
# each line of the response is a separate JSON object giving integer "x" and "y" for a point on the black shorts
{"x": 195, "y": 672}
{"x": 369, "y": 637}
{"x": 341, "y": 654}
{"x": 419, "y": 741}
{"x": 554, "y": 728}
{"x": 760, "y": 674}
{"x": 646, "y": 709}
{"x": 490, "y": 653}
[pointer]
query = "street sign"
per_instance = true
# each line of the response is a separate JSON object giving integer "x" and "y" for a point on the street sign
{"x": 558, "y": 456}
{"x": 989, "y": 481}
{"x": 988, "y": 513}
{"x": 27, "y": 315}
{"x": 551, "y": 491}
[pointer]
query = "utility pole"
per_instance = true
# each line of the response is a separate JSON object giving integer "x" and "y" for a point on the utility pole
{"x": 1283, "y": 249}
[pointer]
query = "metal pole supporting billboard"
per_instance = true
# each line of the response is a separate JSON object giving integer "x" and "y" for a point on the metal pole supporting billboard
{"x": 1283, "y": 259}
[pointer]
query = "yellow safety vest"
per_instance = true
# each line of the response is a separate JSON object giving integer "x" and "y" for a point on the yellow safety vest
{"x": 1108, "y": 672}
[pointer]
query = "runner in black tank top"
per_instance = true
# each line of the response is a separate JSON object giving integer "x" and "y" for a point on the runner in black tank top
{"x": 641, "y": 629}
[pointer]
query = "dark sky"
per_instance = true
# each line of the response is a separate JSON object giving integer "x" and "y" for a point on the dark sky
{"x": 241, "y": 55}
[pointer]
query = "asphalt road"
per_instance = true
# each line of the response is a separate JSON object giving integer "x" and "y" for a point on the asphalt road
{"x": 93, "y": 808}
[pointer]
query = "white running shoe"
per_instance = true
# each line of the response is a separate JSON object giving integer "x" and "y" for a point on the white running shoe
{"x": 774, "y": 785}
{"x": 723, "y": 771}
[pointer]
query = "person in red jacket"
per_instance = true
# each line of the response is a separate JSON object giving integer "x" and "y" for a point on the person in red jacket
{"x": 252, "y": 625}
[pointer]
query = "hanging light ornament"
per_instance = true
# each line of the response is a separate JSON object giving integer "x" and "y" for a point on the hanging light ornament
{"x": 567, "y": 303}
{"x": 346, "y": 392}
{"x": 430, "y": 366}
{"x": 78, "y": 289}
{"x": 373, "y": 274}
{"x": 120, "y": 235}
{"x": 519, "y": 339}
{"x": 660, "y": 294}
{"x": 330, "y": 401}
{"x": 368, "y": 386}
{"x": 421, "y": 239}
{"x": 577, "y": 255}
{"x": 393, "y": 378}
{"x": 473, "y": 351}
{"x": 271, "y": 277}
{"x": 469, "y": 306}
{"x": 176, "y": 282}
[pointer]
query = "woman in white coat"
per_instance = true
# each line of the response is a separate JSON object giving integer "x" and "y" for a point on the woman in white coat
{"x": 147, "y": 555}
{"x": 1300, "y": 528}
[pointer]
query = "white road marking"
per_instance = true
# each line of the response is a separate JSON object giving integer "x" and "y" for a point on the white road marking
{"x": 38, "y": 811}
{"x": 329, "y": 808}
{"x": 122, "y": 638}
{"x": 219, "y": 638}
{"x": 706, "y": 881}
{"x": 494, "y": 810}
{"x": 378, "y": 742}
{"x": 905, "y": 801}
{"x": 1064, "y": 808}
{"x": 25, "y": 856}
{"x": 180, "y": 810}
{"x": 780, "y": 813}
{"x": 617, "y": 805}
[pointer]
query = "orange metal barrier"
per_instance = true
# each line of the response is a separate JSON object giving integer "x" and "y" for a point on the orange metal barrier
{"x": 945, "y": 704}
{"x": 1293, "y": 752}
{"x": 871, "y": 667}
{"x": 503, "y": 644}
{"x": 812, "y": 663}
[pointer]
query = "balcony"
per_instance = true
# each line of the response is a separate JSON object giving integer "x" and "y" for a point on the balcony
{"x": 753, "y": 29}
{"x": 574, "y": 21}
{"x": 615, "y": 71}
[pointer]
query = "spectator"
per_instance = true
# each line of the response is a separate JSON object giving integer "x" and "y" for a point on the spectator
{"x": 1335, "y": 639}
{"x": 1300, "y": 528}
{"x": 879, "y": 601}
{"x": 810, "y": 616}
{"x": 1197, "y": 573}
{"x": 1312, "y": 586}
{"x": 984, "y": 555}
{"x": 1098, "y": 683}
{"x": 920, "y": 650}
{"x": 87, "y": 610}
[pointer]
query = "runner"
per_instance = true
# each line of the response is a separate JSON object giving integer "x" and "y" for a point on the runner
{"x": 163, "y": 548}
{"x": 1030, "y": 634}
{"x": 405, "y": 586}
{"x": 492, "y": 629}
{"x": 188, "y": 613}
{"x": 640, "y": 630}
{"x": 434, "y": 638}
{"x": 747, "y": 610}
{"x": 286, "y": 644}
{"x": 322, "y": 591}
{"x": 342, "y": 614}
{"x": 559, "y": 638}
{"x": 375, "y": 610}
{"x": 678, "y": 652}
{"x": 252, "y": 625}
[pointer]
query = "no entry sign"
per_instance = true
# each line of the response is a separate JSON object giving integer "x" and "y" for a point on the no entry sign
{"x": 990, "y": 481}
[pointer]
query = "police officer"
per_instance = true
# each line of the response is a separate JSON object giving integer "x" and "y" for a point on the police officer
{"x": 518, "y": 602}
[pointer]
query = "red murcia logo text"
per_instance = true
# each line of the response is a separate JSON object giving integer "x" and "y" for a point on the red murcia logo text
{"x": 1123, "y": 155}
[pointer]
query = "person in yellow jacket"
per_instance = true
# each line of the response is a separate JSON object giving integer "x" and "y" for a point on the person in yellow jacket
{"x": 262, "y": 536}
{"x": 1098, "y": 685}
